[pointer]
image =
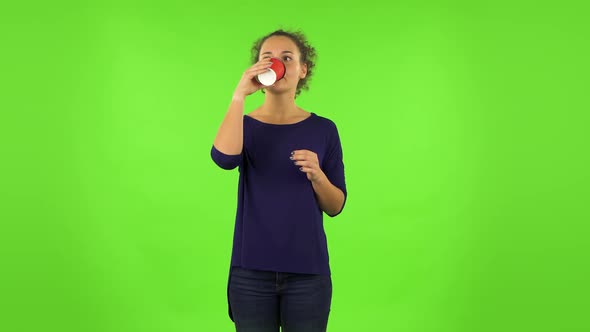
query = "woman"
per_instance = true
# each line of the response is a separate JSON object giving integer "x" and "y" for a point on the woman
{"x": 291, "y": 171}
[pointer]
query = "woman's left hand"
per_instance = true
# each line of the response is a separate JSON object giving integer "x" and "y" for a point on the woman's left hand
{"x": 309, "y": 164}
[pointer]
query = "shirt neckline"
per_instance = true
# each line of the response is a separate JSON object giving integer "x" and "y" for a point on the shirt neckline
{"x": 311, "y": 114}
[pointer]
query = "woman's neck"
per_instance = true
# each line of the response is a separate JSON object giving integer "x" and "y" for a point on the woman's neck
{"x": 279, "y": 106}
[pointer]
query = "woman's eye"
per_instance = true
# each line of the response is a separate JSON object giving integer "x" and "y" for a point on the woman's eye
{"x": 287, "y": 57}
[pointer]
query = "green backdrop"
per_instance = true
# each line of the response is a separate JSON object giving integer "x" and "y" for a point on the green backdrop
{"x": 465, "y": 141}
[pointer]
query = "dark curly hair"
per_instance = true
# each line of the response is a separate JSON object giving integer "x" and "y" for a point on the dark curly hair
{"x": 308, "y": 54}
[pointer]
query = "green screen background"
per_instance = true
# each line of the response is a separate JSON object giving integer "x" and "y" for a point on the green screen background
{"x": 465, "y": 141}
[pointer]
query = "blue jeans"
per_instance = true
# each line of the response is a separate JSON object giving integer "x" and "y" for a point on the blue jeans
{"x": 261, "y": 301}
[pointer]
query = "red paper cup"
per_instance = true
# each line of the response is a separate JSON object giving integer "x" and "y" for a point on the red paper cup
{"x": 273, "y": 74}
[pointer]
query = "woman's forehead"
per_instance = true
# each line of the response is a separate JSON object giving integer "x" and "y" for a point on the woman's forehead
{"x": 278, "y": 44}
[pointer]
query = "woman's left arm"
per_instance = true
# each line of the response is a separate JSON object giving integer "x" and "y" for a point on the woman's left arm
{"x": 330, "y": 197}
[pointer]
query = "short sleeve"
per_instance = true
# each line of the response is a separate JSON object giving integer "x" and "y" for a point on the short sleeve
{"x": 333, "y": 164}
{"x": 225, "y": 161}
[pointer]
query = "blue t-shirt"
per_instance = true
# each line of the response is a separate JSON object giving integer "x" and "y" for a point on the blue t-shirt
{"x": 279, "y": 224}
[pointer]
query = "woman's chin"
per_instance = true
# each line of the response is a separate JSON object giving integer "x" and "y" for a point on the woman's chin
{"x": 277, "y": 86}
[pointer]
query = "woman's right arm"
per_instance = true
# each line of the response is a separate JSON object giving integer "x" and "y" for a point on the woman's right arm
{"x": 230, "y": 135}
{"x": 229, "y": 138}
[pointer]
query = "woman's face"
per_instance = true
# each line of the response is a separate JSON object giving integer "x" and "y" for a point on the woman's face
{"x": 285, "y": 49}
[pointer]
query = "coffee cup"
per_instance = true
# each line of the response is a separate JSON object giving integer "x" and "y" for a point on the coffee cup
{"x": 273, "y": 74}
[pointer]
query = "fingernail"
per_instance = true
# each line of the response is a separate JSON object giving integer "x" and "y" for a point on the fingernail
{"x": 301, "y": 168}
{"x": 292, "y": 152}
{"x": 291, "y": 157}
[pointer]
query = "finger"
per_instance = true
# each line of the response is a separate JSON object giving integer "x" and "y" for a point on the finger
{"x": 263, "y": 64}
{"x": 302, "y": 158}
{"x": 258, "y": 68}
{"x": 298, "y": 157}
{"x": 253, "y": 73}
{"x": 305, "y": 163}
{"x": 307, "y": 155}
{"x": 301, "y": 154}
{"x": 306, "y": 169}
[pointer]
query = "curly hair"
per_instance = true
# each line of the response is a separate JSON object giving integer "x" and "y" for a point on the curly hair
{"x": 308, "y": 54}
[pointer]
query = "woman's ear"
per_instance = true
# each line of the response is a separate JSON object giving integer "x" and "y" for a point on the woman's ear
{"x": 303, "y": 71}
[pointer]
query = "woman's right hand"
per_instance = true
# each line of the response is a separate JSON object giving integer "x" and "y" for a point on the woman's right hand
{"x": 248, "y": 85}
